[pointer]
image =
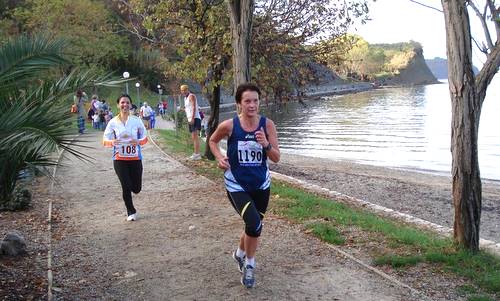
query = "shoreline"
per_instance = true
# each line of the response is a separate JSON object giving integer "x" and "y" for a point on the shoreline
{"x": 423, "y": 195}
{"x": 409, "y": 169}
{"x": 337, "y": 89}
{"x": 312, "y": 92}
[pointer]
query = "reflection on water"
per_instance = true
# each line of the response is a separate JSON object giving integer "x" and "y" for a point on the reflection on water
{"x": 399, "y": 127}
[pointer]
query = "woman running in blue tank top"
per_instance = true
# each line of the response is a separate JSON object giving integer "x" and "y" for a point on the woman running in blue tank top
{"x": 251, "y": 140}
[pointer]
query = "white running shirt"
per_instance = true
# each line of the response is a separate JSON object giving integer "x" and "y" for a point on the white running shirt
{"x": 189, "y": 107}
{"x": 123, "y": 134}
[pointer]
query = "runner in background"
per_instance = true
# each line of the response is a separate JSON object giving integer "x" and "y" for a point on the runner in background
{"x": 126, "y": 134}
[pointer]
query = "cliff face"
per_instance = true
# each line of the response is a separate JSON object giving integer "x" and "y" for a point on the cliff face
{"x": 416, "y": 72}
{"x": 439, "y": 67}
{"x": 324, "y": 74}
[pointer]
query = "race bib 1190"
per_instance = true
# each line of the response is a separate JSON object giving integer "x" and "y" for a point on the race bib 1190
{"x": 249, "y": 153}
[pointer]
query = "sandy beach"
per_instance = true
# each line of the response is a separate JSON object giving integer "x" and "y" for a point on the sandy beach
{"x": 423, "y": 195}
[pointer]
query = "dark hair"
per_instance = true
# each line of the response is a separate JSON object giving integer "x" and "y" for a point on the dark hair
{"x": 124, "y": 95}
{"x": 245, "y": 87}
{"x": 79, "y": 93}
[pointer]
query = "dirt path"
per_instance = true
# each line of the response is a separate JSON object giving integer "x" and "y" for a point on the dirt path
{"x": 179, "y": 249}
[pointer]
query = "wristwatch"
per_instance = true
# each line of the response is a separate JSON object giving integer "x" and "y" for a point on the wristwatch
{"x": 268, "y": 147}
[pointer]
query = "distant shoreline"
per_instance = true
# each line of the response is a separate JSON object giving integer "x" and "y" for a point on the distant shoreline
{"x": 329, "y": 89}
{"x": 337, "y": 89}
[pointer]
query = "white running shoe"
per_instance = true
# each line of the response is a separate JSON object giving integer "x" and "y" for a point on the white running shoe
{"x": 195, "y": 157}
{"x": 132, "y": 217}
{"x": 240, "y": 261}
{"x": 248, "y": 277}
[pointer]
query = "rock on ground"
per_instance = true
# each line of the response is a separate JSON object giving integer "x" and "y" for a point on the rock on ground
{"x": 13, "y": 244}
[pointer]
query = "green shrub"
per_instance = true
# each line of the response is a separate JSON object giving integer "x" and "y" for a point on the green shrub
{"x": 20, "y": 200}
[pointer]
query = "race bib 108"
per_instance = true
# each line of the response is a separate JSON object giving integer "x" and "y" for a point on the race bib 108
{"x": 127, "y": 150}
{"x": 249, "y": 153}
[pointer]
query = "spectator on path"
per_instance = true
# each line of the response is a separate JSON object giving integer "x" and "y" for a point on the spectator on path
{"x": 104, "y": 105}
{"x": 126, "y": 134}
{"x": 152, "y": 117}
{"x": 161, "y": 111}
{"x": 251, "y": 139}
{"x": 90, "y": 114}
{"x": 204, "y": 124}
{"x": 102, "y": 120}
{"x": 145, "y": 113}
{"x": 133, "y": 109}
{"x": 108, "y": 115}
{"x": 95, "y": 120}
{"x": 79, "y": 100}
{"x": 165, "y": 107}
{"x": 95, "y": 104}
{"x": 194, "y": 121}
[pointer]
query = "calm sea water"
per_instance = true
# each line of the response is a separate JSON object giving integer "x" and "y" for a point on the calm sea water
{"x": 405, "y": 128}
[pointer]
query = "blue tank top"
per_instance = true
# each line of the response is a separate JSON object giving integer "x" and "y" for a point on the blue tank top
{"x": 247, "y": 158}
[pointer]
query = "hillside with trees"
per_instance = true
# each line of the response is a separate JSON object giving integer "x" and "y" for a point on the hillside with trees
{"x": 393, "y": 64}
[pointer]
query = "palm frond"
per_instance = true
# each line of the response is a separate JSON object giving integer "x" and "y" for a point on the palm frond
{"x": 23, "y": 58}
{"x": 35, "y": 122}
{"x": 65, "y": 87}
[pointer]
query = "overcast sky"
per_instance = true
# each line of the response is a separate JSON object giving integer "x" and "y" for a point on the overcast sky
{"x": 401, "y": 21}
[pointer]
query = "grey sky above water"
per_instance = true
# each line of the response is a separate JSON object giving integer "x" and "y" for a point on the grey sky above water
{"x": 394, "y": 21}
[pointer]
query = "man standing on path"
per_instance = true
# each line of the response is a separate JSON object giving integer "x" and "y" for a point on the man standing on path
{"x": 252, "y": 139}
{"x": 145, "y": 113}
{"x": 193, "y": 116}
{"x": 126, "y": 134}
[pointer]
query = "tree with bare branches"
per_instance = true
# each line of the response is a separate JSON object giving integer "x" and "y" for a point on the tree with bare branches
{"x": 467, "y": 94}
{"x": 193, "y": 35}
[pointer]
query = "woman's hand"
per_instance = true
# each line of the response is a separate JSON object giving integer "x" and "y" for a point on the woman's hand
{"x": 260, "y": 136}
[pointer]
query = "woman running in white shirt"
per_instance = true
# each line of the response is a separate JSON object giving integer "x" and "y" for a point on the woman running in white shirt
{"x": 126, "y": 134}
